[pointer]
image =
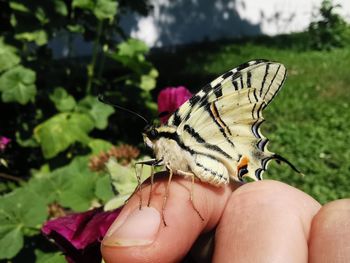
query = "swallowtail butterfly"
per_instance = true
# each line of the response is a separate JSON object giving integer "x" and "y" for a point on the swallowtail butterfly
{"x": 215, "y": 136}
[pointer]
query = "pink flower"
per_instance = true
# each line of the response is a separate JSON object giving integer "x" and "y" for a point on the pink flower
{"x": 78, "y": 235}
{"x": 170, "y": 99}
{"x": 4, "y": 141}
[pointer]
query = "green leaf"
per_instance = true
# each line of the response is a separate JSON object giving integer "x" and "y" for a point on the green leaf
{"x": 8, "y": 56}
{"x": 30, "y": 142}
{"x": 18, "y": 85}
{"x": 11, "y": 242}
{"x": 79, "y": 193}
{"x": 60, "y": 7}
{"x": 52, "y": 185}
{"x": 105, "y": 9}
{"x": 61, "y": 130}
{"x": 16, "y": 206}
{"x": 131, "y": 54}
{"x": 40, "y": 37}
{"x": 62, "y": 100}
{"x": 46, "y": 185}
{"x": 17, "y": 6}
{"x": 56, "y": 257}
{"x": 99, "y": 145}
{"x": 13, "y": 21}
{"x": 72, "y": 186}
{"x": 124, "y": 178}
{"x": 148, "y": 82}
{"x": 21, "y": 211}
{"x": 104, "y": 188}
{"x": 98, "y": 111}
{"x": 76, "y": 28}
{"x": 102, "y": 9}
{"x": 41, "y": 172}
{"x": 116, "y": 202}
{"x": 41, "y": 15}
{"x": 83, "y": 4}
{"x": 132, "y": 47}
{"x": 124, "y": 181}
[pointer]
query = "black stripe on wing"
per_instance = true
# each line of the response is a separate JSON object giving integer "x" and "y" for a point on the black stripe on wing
{"x": 280, "y": 86}
{"x": 249, "y": 78}
{"x": 241, "y": 81}
{"x": 218, "y": 90}
{"x": 272, "y": 81}
{"x": 206, "y": 144}
{"x": 211, "y": 109}
{"x": 267, "y": 66}
{"x": 235, "y": 84}
{"x": 176, "y": 119}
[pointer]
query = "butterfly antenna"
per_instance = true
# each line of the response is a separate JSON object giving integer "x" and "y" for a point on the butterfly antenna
{"x": 279, "y": 158}
{"x": 102, "y": 99}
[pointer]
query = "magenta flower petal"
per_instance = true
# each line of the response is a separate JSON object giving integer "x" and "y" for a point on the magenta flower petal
{"x": 170, "y": 99}
{"x": 78, "y": 235}
{"x": 4, "y": 141}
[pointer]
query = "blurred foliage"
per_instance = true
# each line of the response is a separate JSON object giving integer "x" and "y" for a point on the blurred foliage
{"x": 329, "y": 30}
{"x": 53, "y": 116}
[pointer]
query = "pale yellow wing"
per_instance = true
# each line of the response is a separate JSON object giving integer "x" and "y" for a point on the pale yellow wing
{"x": 220, "y": 124}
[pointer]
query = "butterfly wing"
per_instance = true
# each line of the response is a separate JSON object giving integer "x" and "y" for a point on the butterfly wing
{"x": 221, "y": 122}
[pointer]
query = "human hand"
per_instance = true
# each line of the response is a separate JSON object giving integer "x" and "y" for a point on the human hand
{"x": 265, "y": 221}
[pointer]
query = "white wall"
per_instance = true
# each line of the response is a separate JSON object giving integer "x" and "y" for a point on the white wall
{"x": 185, "y": 21}
{"x": 295, "y": 14}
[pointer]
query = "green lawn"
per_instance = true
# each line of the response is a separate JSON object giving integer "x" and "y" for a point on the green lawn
{"x": 308, "y": 122}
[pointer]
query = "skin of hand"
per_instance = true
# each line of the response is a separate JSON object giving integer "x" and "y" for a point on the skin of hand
{"x": 265, "y": 221}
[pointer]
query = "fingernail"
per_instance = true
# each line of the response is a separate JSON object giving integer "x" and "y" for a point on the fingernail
{"x": 138, "y": 229}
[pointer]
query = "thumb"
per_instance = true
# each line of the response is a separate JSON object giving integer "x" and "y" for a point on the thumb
{"x": 139, "y": 235}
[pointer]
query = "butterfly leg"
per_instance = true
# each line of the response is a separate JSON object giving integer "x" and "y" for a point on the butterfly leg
{"x": 151, "y": 188}
{"x": 152, "y": 162}
{"x": 139, "y": 184}
{"x": 166, "y": 192}
{"x": 137, "y": 189}
{"x": 186, "y": 175}
{"x": 192, "y": 198}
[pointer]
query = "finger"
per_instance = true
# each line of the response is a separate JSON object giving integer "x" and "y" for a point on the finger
{"x": 140, "y": 235}
{"x": 265, "y": 221}
{"x": 330, "y": 233}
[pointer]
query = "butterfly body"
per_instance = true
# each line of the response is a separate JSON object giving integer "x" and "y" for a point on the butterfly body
{"x": 215, "y": 135}
{"x": 170, "y": 151}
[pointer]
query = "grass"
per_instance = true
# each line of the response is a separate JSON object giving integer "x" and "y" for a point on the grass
{"x": 308, "y": 122}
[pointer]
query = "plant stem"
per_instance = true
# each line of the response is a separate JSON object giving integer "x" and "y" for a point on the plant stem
{"x": 11, "y": 177}
{"x": 102, "y": 63}
{"x": 92, "y": 65}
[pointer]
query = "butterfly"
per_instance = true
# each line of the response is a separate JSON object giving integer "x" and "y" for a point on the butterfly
{"x": 215, "y": 136}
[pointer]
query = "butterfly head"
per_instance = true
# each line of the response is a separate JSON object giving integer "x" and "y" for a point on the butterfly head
{"x": 150, "y": 134}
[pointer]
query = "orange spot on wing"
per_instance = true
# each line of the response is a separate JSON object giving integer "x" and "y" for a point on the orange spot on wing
{"x": 242, "y": 162}
{"x": 242, "y": 167}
